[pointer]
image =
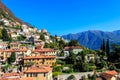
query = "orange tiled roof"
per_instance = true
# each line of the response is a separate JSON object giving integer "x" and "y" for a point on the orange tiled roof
{"x": 111, "y": 72}
{"x": 38, "y": 57}
{"x": 39, "y": 69}
{"x": 28, "y": 78}
{"x": 13, "y": 50}
{"x": 44, "y": 50}
{"x": 12, "y": 74}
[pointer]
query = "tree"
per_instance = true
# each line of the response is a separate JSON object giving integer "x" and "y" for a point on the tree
{"x": 103, "y": 45}
{"x": 61, "y": 44}
{"x": 57, "y": 69}
{"x": 21, "y": 37}
{"x": 42, "y": 37}
{"x": 71, "y": 59}
{"x": 74, "y": 43}
{"x": 12, "y": 58}
{"x": 115, "y": 54}
{"x": 0, "y": 33}
{"x": 107, "y": 48}
{"x": 5, "y": 35}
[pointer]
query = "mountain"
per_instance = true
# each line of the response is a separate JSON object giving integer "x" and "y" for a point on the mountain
{"x": 93, "y": 38}
{"x": 6, "y": 13}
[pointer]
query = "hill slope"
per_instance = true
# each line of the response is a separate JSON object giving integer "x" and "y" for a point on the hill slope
{"x": 93, "y": 38}
{"x": 3, "y": 9}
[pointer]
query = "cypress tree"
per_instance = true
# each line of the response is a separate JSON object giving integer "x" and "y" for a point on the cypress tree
{"x": 107, "y": 48}
{"x": 12, "y": 57}
{"x": 103, "y": 45}
{"x": 5, "y": 35}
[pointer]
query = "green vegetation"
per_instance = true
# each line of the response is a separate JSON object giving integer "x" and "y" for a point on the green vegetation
{"x": 5, "y": 35}
{"x": 73, "y": 43}
{"x": 21, "y": 38}
{"x": 42, "y": 37}
{"x": 12, "y": 58}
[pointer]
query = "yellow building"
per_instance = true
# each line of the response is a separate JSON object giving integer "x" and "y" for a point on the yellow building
{"x": 46, "y": 60}
{"x": 5, "y": 54}
{"x": 39, "y": 72}
{"x": 45, "y": 51}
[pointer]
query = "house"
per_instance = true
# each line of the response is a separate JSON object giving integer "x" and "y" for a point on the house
{"x": 15, "y": 45}
{"x": 36, "y": 36}
{"x": 46, "y": 60}
{"x": 5, "y": 54}
{"x": 14, "y": 35}
{"x": 25, "y": 28}
{"x": 45, "y": 51}
{"x": 40, "y": 50}
{"x": 90, "y": 57}
{"x": 3, "y": 46}
{"x": 14, "y": 76}
{"x": 38, "y": 42}
{"x": 44, "y": 31}
{"x": 39, "y": 72}
{"x": 109, "y": 75}
{"x": 74, "y": 49}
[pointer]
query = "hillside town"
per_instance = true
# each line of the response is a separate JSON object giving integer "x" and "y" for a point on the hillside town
{"x": 32, "y": 57}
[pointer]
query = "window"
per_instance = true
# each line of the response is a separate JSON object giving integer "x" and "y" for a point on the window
{"x": 44, "y": 74}
{"x": 27, "y": 75}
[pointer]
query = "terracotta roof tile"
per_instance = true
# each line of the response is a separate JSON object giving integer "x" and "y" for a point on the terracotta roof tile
{"x": 28, "y": 78}
{"x": 111, "y": 72}
{"x": 44, "y": 50}
{"x": 39, "y": 69}
{"x": 12, "y": 74}
{"x": 37, "y": 57}
{"x": 13, "y": 50}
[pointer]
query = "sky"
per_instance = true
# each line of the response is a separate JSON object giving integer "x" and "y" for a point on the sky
{"x": 62, "y": 17}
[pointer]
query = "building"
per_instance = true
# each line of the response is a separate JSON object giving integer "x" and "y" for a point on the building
{"x": 109, "y": 75}
{"x": 46, "y": 60}
{"x": 11, "y": 76}
{"x": 39, "y": 72}
{"x": 15, "y": 45}
{"x": 74, "y": 49}
{"x": 3, "y": 46}
{"x": 39, "y": 42}
{"x": 5, "y": 54}
{"x": 90, "y": 57}
{"x": 45, "y": 51}
{"x": 14, "y": 76}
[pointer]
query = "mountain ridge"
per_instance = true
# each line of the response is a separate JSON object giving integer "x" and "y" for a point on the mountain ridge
{"x": 93, "y": 38}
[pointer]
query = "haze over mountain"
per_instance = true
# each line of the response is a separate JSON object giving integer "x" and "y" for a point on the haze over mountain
{"x": 93, "y": 38}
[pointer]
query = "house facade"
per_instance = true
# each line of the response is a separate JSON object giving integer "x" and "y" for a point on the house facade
{"x": 39, "y": 72}
{"x": 46, "y": 60}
